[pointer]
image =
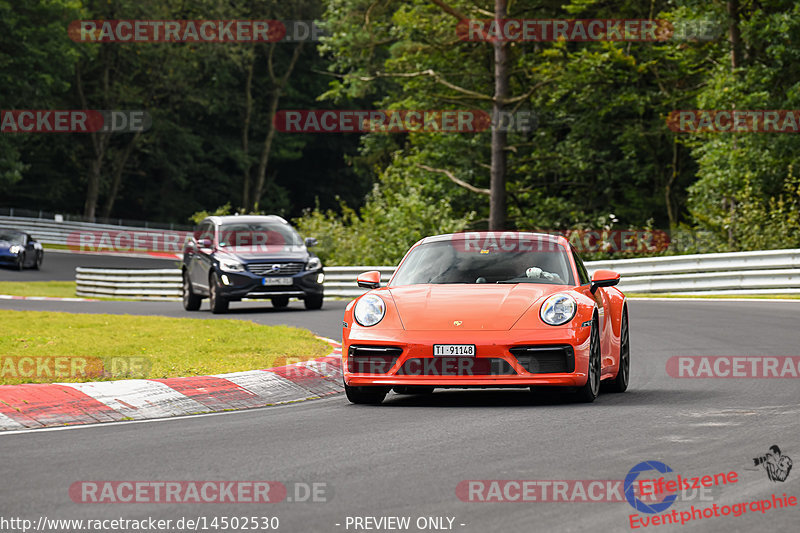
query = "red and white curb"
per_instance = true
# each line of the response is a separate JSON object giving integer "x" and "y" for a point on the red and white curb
{"x": 58, "y": 404}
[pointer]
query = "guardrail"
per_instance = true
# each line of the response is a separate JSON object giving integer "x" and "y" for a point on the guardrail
{"x": 51, "y": 231}
{"x": 765, "y": 272}
{"x": 139, "y": 284}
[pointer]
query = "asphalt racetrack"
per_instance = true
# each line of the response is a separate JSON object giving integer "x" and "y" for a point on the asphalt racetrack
{"x": 406, "y": 457}
{"x": 59, "y": 265}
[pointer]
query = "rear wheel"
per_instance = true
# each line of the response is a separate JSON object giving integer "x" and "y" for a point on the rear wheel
{"x": 218, "y": 303}
{"x": 280, "y": 302}
{"x": 313, "y": 301}
{"x": 191, "y": 301}
{"x": 365, "y": 395}
{"x": 620, "y": 383}
{"x": 588, "y": 393}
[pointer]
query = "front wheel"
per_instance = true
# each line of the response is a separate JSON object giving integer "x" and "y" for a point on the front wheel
{"x": 313, "y": 301}
{"x": 218, "y": 303}
{"x": 588, "y": 393}
{"x": 365, "y": 395}
{"x": 191, "y": 301}
{"x": 38, "y": 263}
{"x": 620, "y": 383}
{"x": 20, "y": 261}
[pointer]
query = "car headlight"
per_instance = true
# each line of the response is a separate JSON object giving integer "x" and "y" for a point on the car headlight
{"x": 369, "y": 310}
{"x": 314, "y": 263}
{"x": 15, "y": 249}
{"x": 558, "y": 309}
{"x": 229, "y": 265}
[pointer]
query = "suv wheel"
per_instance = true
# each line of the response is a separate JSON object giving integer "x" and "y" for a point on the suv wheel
{"x": 191, "y": 301}
{"x": 219, "y": 304}
{"x": 313, "y": 301}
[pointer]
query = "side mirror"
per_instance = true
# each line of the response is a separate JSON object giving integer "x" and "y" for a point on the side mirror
{"x": 310, "y": 241}
{"x": 204, "y": 243}
{"x": 369, "y": 280}
{"x": 604, "y": 278}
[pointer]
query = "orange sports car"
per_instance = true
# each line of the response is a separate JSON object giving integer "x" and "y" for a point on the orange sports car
{"x": 487, "y": 309}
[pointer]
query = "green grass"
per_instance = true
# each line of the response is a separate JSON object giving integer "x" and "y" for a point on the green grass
{"x": 58, "y": 289}
{"x": 716, "y": 296}
{"x": 155, "y": 347}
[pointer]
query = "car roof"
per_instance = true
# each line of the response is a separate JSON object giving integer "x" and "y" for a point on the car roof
{"x": 555, "y": 239}
{"x": 246, "y": 219}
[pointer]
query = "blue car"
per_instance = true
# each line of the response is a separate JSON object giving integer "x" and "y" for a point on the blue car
{"x": 254, "y": 257}
{"x": 20, "y": 250}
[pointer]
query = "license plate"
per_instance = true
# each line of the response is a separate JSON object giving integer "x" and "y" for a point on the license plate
{"x": 276, "y": 281}
{"x": 454, "y": 350}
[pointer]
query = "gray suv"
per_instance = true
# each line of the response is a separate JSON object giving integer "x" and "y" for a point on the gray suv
{"x": 235, "y": 257}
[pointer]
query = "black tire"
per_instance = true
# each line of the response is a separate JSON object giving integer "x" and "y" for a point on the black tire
{"x": 412, "y": 389}
{"x": 20, "y": 264}
{"x": 218, "y": 303}
{"x": 38, "y": 263}
{"x": 191, "y": 301}
{"x": 313, "y": 301}
{"x": 588, "y": 393}
{"x": 620, "y": 383}
{"x": 365, "y": 395}
{"x": 280, "y": 302}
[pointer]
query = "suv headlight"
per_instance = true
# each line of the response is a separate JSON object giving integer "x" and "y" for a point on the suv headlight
{"x": 369, "y": 310}
{"x": 229, "y": 265}
{"x": 15, "y": 249}
{"x": 314, "y": 263}
{"x": 558, "y": 309}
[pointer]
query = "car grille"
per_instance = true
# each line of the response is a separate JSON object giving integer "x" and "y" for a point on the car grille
{"x": 266, "y": 269}
{"x": 545, "y": 359}
{"x": 372, "y": 359}
{"x": 456, "y": 366}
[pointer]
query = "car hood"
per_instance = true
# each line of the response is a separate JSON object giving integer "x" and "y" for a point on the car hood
{"x": 477, "y": 307}
{"x": 248, "y": 254}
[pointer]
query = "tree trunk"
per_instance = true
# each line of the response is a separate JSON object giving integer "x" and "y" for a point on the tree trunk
{"x": 734, "y": 34}
{"x": 497, "y": 184}
{"x": 278, "y": 86}
{"x": 266, "y": 149}
{"x": 116, "y": 179}
{"x": 668, "y": 188}
{"x": 248, "y": 111}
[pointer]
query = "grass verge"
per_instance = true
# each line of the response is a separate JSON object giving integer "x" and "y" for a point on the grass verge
{"x": 57, "y": 289}
{"x": 124, "y": 346}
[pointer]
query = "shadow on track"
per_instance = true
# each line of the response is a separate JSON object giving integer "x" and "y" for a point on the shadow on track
{"x": 524, "y": 397}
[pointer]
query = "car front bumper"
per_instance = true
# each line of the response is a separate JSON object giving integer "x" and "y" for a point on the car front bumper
{"x": 8, "y": 258}
{"x": 238, "y": 285}
{"x": 514, "y": 358}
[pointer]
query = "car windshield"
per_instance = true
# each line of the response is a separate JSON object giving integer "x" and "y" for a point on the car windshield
{"x": 515, "y": 260}
{"x": 258, "y": 234}
{"x": 13, "y": 237}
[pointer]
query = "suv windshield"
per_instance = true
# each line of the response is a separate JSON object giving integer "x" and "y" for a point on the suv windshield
{"x": 257, "y": 234}
{"x": 455, "y": 261}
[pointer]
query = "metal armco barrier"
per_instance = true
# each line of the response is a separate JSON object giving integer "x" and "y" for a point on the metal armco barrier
{"x": 140, "y": 284}
{"x": 766, "y": 272}
{"x": 49, "y": 231}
